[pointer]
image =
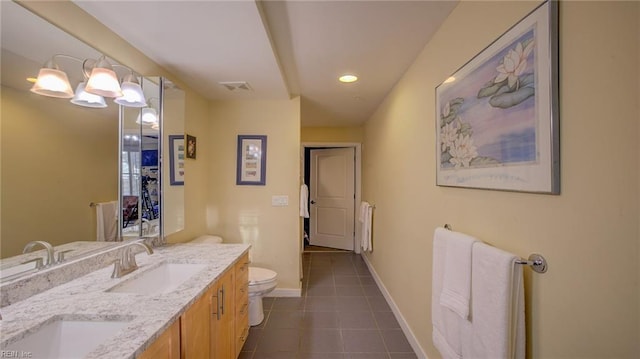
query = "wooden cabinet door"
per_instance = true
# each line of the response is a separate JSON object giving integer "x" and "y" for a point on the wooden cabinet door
{"x": 167, "y": 346}
{"x": 222, "y": 320}
{"x": 195, "y": 330}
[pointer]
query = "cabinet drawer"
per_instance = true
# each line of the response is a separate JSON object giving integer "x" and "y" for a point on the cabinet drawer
{"x": 242, "y": 292}
{"x": 242, "y": 307}
{"x": 242, "y": 278}
{"x": 242, "y": 331}
{"x": 242, "y": 269}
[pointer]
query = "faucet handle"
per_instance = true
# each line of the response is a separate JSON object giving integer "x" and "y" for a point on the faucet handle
{"x": 61, "y": 257}
{"x": 39, "y": 262}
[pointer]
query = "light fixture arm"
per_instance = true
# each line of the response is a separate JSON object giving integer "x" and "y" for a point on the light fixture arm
{"x": 88, "y": 64}
{"x": 52, "y": 64}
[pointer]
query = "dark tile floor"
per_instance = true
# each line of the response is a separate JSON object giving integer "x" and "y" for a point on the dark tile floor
{"x": 341, "y": 315}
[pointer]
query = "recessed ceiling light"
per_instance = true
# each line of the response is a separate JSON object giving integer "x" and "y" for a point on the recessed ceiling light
{"x": 348, "y": 78}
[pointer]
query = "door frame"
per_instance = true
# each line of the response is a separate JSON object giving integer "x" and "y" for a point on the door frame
{"x": 358, "y": 173}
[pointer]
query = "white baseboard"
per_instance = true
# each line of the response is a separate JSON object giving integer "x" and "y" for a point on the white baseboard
{"x": 285, "y": 292}
{"x": 396, "y": 312}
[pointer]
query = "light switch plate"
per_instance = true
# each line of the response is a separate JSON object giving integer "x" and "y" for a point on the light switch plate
{"x": 279, "y": 201}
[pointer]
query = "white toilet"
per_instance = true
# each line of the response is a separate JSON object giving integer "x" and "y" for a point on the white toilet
{"x": 261, "y": 282}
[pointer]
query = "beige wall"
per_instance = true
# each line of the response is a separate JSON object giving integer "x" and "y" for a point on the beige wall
{"x": 586, "y": 305}
{"x": 243, "y": 214}
{"x": 56, "y": 159}
{"x": 332, "y": 134}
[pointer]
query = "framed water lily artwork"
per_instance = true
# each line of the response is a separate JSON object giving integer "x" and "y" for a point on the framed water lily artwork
{"x": 497, "y": 116}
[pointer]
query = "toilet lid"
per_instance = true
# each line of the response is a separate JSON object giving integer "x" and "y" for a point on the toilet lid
{"x": 259, "y": 275}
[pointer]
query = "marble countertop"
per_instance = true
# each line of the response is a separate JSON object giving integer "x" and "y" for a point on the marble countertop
{"x": 85, "y": 298}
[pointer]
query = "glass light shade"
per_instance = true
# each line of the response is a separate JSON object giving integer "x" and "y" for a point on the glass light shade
{"x": 52, "y": 83}
{"x": 148, "y": 116}
{"x": 103, "y": 82}
{"x": 85, "y": 99}
{"x": 132, "y": 95}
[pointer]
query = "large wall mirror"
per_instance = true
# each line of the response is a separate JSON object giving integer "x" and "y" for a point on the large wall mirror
{"x": 58, "y": 160}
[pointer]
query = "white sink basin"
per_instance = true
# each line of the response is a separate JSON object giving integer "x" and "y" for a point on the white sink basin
{"x": 163, "y": 279}
{"x": 65, "y": 338}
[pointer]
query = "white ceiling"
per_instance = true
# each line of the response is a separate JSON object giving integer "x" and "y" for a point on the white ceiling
{"x": 282, "y": 48}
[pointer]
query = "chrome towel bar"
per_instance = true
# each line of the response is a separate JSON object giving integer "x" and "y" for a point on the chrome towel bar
{"x": 536, "y": 261}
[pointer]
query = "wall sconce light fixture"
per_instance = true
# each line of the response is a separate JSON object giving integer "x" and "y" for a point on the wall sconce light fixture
{"x": 100, "y": 81}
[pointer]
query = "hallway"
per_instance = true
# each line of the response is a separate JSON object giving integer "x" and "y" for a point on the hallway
{"x": 341, "y": 315}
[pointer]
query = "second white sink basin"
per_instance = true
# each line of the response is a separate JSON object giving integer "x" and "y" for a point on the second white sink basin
{"x": 66, "y": 338}
{"x": 163, "y": 279}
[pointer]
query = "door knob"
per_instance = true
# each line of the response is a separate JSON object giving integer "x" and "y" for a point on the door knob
{"x": 313, "y": 202}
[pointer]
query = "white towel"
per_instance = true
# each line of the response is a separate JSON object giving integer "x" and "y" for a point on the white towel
{"x": 106, "y": 221}
{"x": 366, "y": 214}
{"x": 497, "y": 325}
{"x": 447, "y": 325}
{"x": 456, "y": 284}
{"x": 304, "y": 201}
{"x": 364, "y": 208}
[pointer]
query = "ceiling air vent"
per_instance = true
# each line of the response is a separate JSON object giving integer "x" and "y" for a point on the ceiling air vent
{"x": 236, "y": 86}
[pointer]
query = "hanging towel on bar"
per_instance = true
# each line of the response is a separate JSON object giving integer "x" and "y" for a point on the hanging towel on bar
{"x": 304, "y": 201}
{"x": 447, "y": 325}
{"x": 456, "y": 283}
{"x": 497, "y": 326}
{"x": 106, "y": 221}
{"x": 366, "y": 214}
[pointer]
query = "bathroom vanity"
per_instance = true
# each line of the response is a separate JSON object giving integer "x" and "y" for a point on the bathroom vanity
{"x": 185, "y": 300}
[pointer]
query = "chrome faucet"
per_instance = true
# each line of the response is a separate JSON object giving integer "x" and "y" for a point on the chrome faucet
{"x": 127, "y": 262}
{"x": 46, "y": 246}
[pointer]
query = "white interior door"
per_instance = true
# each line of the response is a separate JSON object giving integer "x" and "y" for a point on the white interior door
{"x": 332, "y": 198}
